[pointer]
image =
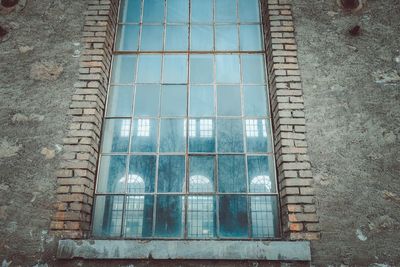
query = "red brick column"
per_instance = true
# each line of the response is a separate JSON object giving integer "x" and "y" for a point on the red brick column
{"x": 76, "y": 177}
{"x": 298, "y": 212}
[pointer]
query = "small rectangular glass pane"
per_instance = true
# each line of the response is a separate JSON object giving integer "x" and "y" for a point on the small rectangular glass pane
{"x": 230, "y": 135}
{"x": 233, "y": 216}
{"x": 253, "y": 69}
{"x": 250, "y": 38}
{"x": 201, "y": 101}
{"x": 176, "y": 38}
{"x": 147, "y": 102}
{"x": 152, "y": 38}
{"x": 178, "y": 11}
{"x": 225, "y": 11}
{"x": 202, "y": 11}
{"x": 139, "y": 216}
{"x": 107, "y": 219}
{"x": 255, "y": 101}
{"x": 130, "y": 11}
{"x": 153, "y": 11}
{"x": 261, "y": 174}
{"x": 116, "y": 135}
{"x": 249, "y": 11}
{"x": 228, "y": 68}
{"x": 112, "y": 174}
{"x": 123, "y": 69}
{"x": 257, "y": 137}
{"x": 144, "y": 135}
{"x": 231, "y": 174}
{"x": 146, "y": 63}
{"x": 201, "y": 174}
{"x": 173, "y": 100}
{"x": 141, "y": 175}
{"x": 202, "y": 135}
{"x": 226, "y": 38}
{"x": 127, "y": 38}
{"x": 201, "y": 38}
{"x": 175, "y": 69}
{"x": 171, "y": 174}
{"x": 201, "y": 69}
{"x": 120, "y": 100}
{"x": 201, "y": 221}
{"x": 228, "y": 100}
{"x": 173, "y": 135}
{"x": 169, "y": 216}
{"x": 264, "y": 216}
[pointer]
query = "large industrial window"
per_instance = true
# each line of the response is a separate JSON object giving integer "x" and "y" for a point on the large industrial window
{"x": 186, "y": 146}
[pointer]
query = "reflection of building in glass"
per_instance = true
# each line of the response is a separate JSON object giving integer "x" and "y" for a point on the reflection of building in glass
{"x": 260, "y": 184}
{"x": 125, "y": 125}
{"x": 201, "y": 127}
{"x": 256, "y": 128}
{"x": 143, "y": 127}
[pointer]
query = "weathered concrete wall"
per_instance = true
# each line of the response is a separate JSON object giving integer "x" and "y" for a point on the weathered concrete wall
{"x": 352, "y": 103}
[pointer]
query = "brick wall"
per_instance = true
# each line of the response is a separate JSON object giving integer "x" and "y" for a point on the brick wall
{"x": 76, "y": 177}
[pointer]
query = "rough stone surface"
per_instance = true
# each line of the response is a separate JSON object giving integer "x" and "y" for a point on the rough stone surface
{"x": 45, "y": 71}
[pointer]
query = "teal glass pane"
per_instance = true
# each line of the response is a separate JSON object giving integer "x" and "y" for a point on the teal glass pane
{"x": 153, "y": 11}
{"x": 123, "y": 69}
{"x": 202, "y": 11}
{"x": 228, "y": 68}
{"x": 233, "y": 216}
{"x": 264, "y": 216}
{"x": 147, "y": 102}
{"x": 130, "y": 11}
{"x": 253, "y": 69}
{"x": 231, "y": 174}
{"x": 112, "y": 174}
{"x": 201, "y": 38}
{"x": 141, "y": 175}
{"x": 201, "y": 101}
{"x": 138, "y": 216}
{"x": 176, "y": 38}
{"x": 120, "y": 100}
{"x": 226, "y": 38}
{"x": 173, "y": 135}
{"x": 107, "y": 219}
{"x": 152, "y": 38}
{"x": 249, "y": 11}
{"x": 228, "y": 100}
{"x": 178, "y": 11}
{"x": 261, "y": 174}
{"x": 175, "y": 69}
{"x": 116, "y": 134}
{"x": 171, "y": 174}
{"x": 146, "y": 63}
{"x": 257, "y": 135}
{"x": 201, "y": 219}
{"x": 225, "y": 11}
{"x": 202, "y": 135}
{"x": 201, "y": 69}
{"x": 144, "y": 135}
{"x": 255, "y": 100}
{"x": 173, "y": 100}
{"x": 201, "y": 174}
{"x": 250, "y": 38}
{"x": 127, "y": 38}
{"x": 169, "y": 216}
{"x": 230, "y": 135}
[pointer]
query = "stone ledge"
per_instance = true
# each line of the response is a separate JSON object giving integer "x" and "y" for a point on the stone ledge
{"x": 184, "y": 249}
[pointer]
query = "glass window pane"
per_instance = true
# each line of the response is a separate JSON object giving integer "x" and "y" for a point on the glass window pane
{"x": 233, "y": 216}
{"x": 231, "y": 174}
{"x": 202, "y": 11}
{"x": 201, "y": 222}
{"x": 153, "y": 11}
{"x": 141, "y": 175}
{"x": 116, "y": 135}
{"x": 228, "y": 101}
{"x": 146, "y": 63}
{"x": 112, "y": 173}
{"x": 123, "y": 69}
{"x": 250, "y": 38}
{"x": 201, "y": 38}
{"x": 173, "y": 100}
{"x": 230, "y": 135}
{"x": 147, "y": 102}
{"x": 201, "y": 101}
{"x": 261, "y": 174}
{"x": 139, "y": 216}
{"x": 127, "y": 38}
{"x": 225, "y": 11}
{"x": 201, "y": 135}
{"x": 253, "y": 69}
{"x": 120, "y": 101}
{"x": 226, "y": 38}
{"x": 169, "y": 216}
{"x": 264, "y": 216}
{"x": 228, "y": 69}
{"x": 172, "y": 137}
{"x": 130, "y": 11}
{"x": 201, "y": 172}
{"x": 178, "y": 11}
{"x": 257, "y": 135}
{"x": 171, "y": 174}
{"x": 201, "y": 69}
{"x": 144, "y": 135}
{"x": 152, "y": 38}
{"x": 248, "y": 11}
{"x": 176, "y": 38}
{"x": 255, "y": 102}
{"x": 175, "y": 69}
{"x": 107, "y": 219}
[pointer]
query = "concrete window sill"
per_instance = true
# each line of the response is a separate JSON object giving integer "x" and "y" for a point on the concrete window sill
{"x": 191, "y": 250}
